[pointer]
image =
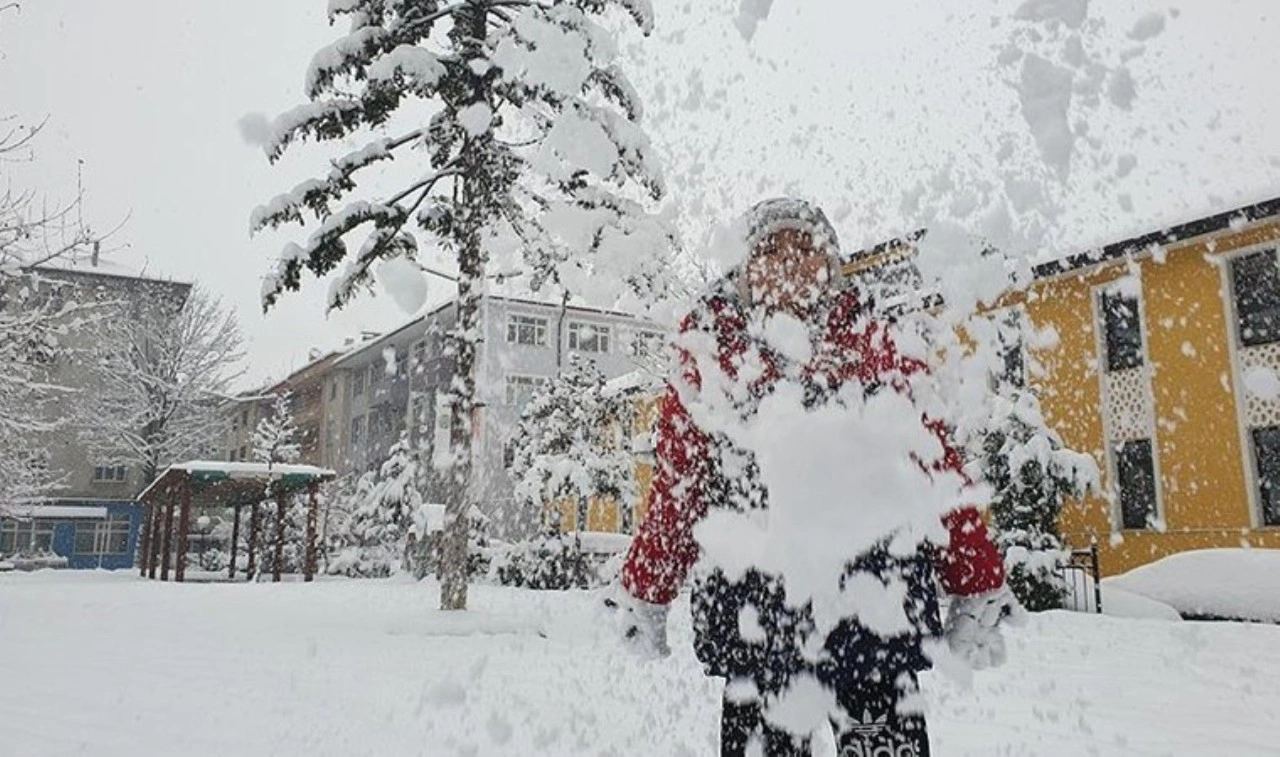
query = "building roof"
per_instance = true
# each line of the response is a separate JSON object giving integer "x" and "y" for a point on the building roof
{"x": 219, "y": 484}
{"x": 1140, "y": 244}
{"x": 108, "y": 268}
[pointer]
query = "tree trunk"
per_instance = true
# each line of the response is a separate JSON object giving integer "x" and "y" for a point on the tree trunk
{"x": 475, "y": 193}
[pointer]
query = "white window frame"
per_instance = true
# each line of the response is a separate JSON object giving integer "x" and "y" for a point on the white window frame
{"x": 652, "y": 340}
{"x": 358, "y": 425}
{"x": 1108, "y": 446}
{"x": 516, "y": 322}
{"x": 442, "y": 432}
{"x": 601, "y": 331}
{"x": 1248, "y": 455}
{"x": 113, "y": 474}
{"x": 103, "y": 531}
{"x": 515, "y": 381}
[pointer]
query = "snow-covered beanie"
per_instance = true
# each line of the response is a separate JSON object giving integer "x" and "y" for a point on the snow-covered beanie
{"x": 778, "y": 213}
{"x": 770, "y": 216}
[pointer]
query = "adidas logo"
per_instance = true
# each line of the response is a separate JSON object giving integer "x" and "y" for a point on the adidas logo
{"x": 871, "y": 736}
{"x": 869, "y": 723}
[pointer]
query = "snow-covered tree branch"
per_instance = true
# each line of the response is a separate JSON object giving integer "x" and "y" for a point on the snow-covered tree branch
{"x": 524, "y": 144}
{"x": 164, "y": 373}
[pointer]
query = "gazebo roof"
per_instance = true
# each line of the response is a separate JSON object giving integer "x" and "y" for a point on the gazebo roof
{"x": 222, "y": 484}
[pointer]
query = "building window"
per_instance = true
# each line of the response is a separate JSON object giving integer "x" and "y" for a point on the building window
{"x": 103, "y": 537}
{"x": 25, "y": 537}
{"x": 357, "y": 432}
{"x": 109, "y": 473}
{"x": 1136, "y": 473}
{"x": 1122, "y": 325}
{"x": 333, "y": 390}
{"x": 1255, "y": 284}
{"x": 588, "y": 337}
{"x": 357, "y": 383}
{"x": 646, "y": 343}
{"x": 231, "y": 456}
{"x": 442, "y": 436}
{"x": 419, "y": 355}
{"x": 527, "y": 329}
{"x": 1266, "y": 452}
{"x": 244, "y": 419}
{"x": 520, "y": 389}
{"x": 244, "y": 452}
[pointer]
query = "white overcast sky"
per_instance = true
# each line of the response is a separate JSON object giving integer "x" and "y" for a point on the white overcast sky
{"x": 849, "y": 102}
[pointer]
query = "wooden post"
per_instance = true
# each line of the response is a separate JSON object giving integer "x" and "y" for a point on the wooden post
{"x": 235, "y": 541}
{"x": 144, "y": 541}
{"x": 275, "y": 569}
{"x": 167, "y": 538}
{"x": 153, "y": 557}
{"x": 251, "y": 569}
{"x": 309, "y": 564}
{"x": 184, "y": 526}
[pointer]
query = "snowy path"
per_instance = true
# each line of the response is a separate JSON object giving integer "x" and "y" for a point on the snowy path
{"x": 108, "y": 665}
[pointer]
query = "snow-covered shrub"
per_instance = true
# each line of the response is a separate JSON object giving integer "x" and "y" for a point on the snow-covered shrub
{"x": 554, "y": 561}
{"x": 422, "y": 548}
{"x": 372, "y": 540}
{"x": 1032, "y": 474}
{"x": 571, "y": 443}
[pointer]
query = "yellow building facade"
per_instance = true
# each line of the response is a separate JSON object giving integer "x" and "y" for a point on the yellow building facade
{"x": 1165, "y": 370}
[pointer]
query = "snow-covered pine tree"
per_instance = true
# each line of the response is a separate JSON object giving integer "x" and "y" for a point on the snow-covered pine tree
{"x": 1032, "y": 474}
{"x": 521, "y": 135}
{"x": 374, "y": 535}
{"x": 275, "y": 438}
{"x": 569, "y": 445}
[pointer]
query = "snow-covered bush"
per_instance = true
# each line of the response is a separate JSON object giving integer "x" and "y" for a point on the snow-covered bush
{"x": 373, "y": 537}
{"x": 570, "y": 443}
{"x": 1031, "y": 474}
{"x": 554, "y": 561}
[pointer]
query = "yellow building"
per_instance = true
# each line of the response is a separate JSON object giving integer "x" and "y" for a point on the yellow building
{"x": 1166, "y": 370}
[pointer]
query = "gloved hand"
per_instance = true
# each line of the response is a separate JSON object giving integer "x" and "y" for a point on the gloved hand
{"x": 973, "y": 626}
{"x": 642, "y": 625}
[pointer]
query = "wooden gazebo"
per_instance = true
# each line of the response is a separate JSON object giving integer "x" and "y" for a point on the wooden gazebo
{"x": 204, "y": 484}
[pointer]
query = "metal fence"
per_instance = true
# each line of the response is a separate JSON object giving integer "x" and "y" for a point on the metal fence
{"x": 1083, "y": 582}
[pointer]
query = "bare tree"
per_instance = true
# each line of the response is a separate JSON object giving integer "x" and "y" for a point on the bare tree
{"x": 164, "y": 376}
{"x": 34, "y": 319}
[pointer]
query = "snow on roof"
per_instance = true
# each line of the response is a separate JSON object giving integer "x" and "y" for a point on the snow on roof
{"x": 241, "y": 471}
{"x": 54, "y": 511}
{"x": 1223, "y": 583}
{"x": 250, "y": 470}
{"x": 637, "y": 379}
{"x": 101, "y": 268}
{"x": 602, "y": 542}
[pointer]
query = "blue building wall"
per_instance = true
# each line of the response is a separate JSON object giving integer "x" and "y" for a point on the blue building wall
{"x": 64, "y": 538}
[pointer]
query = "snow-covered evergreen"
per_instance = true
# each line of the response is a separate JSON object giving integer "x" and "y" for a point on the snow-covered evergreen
{"x": 275, "y": 439}
{"x": 1032, "y": 475}
{"x": 529, "y": 157}
{"x": 570, "y": 444}
{"x": 373, "y": 537}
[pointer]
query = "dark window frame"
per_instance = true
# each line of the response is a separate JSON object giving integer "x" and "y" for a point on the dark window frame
{"x": 1257, "y": 306}
{"x": 1138, "y": 498}
{"x": 1123, "y": 343}
{"x": 1267, "y": 473}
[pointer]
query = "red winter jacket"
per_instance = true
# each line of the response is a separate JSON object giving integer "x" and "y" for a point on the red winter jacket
{"x": 664, "y": 550}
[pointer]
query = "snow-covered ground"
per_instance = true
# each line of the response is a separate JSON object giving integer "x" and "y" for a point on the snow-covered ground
{"x": 107, "y": 664}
